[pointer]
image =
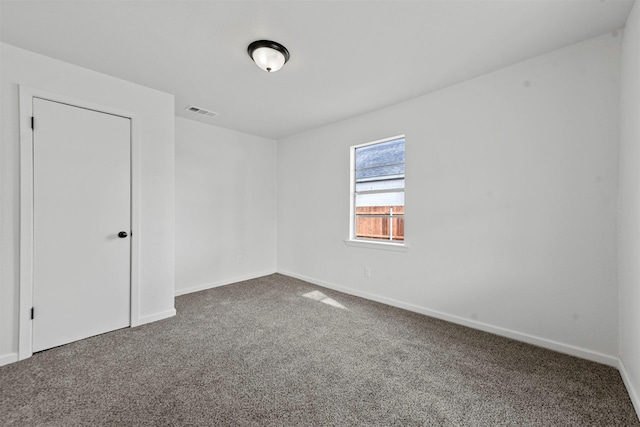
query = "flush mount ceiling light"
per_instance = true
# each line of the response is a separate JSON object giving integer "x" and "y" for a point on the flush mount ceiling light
{"x": 268, "y": 55}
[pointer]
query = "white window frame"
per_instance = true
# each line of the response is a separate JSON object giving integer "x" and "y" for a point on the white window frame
{"x": 360, "y": 242}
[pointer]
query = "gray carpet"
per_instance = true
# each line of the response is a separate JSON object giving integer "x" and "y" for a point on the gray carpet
{"x": 282, "y": 352}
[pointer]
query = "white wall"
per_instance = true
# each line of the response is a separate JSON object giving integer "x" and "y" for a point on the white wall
{"x": 225, "y": 206}
{"x": 156, "y": 234}
{"x": 510, "y": 200}
{"x": 629, "y": 209}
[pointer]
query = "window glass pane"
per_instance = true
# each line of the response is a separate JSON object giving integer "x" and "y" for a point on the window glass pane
{"x": 382, "y": 160}
{"x": 378, "y": 172}
{"x": 380, "y": 199}
{"x": 379, "y": 210}
{"x": 398, "y": 228}
{"x": 381, "y": 154}
{"x": 385, "y": 184}
{"x": 379, "y": 191}
{"x": 380, "y": 228}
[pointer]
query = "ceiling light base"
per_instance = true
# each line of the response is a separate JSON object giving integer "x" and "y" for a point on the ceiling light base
{"x": 268, "y": 55}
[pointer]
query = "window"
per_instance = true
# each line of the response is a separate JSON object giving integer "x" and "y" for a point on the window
{"x": 377, "y": 191}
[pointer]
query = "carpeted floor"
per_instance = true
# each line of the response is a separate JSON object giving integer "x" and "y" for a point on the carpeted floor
{"x": 282, "y": 352}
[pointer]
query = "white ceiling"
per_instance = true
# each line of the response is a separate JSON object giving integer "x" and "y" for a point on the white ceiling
{"x": 347, "y": 57}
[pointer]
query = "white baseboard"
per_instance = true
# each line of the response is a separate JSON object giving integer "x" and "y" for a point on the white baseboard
{"x": 633, "y": 394}
{"x": 155, "y": 317}
{"x": 223, "y": 282}
{"x": 497, "y": 330}
{"x": 5, "y": 359}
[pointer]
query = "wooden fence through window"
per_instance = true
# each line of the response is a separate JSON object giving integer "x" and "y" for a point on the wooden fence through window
{"x": 377, "y": 222}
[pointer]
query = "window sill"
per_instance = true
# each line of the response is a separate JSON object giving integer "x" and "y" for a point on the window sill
{"x": 396, "y": 247}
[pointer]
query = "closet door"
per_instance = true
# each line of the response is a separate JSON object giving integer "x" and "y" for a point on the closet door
{"x": 82, "y": 217}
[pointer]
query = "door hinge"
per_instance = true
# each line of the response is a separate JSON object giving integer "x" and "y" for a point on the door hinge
{"x": 32, "y": 123}
{"x": 32, "y": 313}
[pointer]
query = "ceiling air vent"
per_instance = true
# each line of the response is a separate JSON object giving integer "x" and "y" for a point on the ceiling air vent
{"x": 201, "y": 111}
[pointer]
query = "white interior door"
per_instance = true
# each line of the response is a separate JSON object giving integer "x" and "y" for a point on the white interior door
{"x": 82, "y": 200}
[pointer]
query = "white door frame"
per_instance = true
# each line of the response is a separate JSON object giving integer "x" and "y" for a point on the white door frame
{"x": 26, "y": 207}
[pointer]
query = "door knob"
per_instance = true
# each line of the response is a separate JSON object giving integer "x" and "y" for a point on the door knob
{"x": 122, "y": 234}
